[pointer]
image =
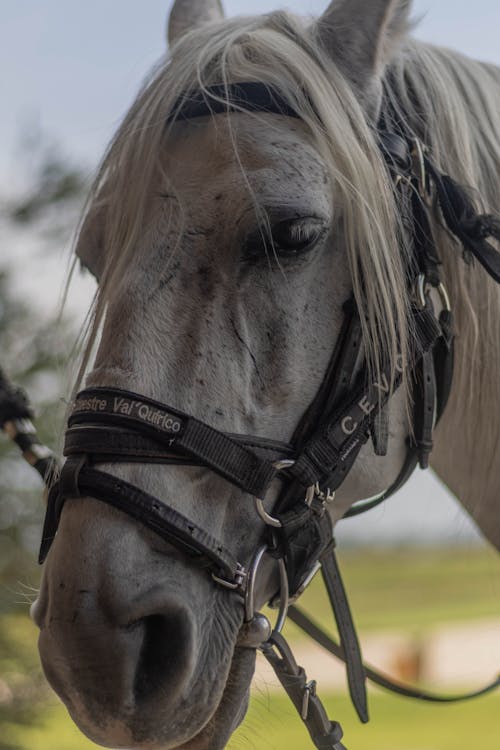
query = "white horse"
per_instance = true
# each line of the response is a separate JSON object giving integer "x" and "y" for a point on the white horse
{"x": 225, "y": 247}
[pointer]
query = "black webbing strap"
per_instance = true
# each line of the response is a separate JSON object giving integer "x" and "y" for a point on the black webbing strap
{"x": 314, "y": 631}
{"x": 79, "y": 480}
{"x": 178, "y": 432}
{"x": 335, "y": 383}
{"x": 325, "y": 734}
{"x": 328, "y": 456}
{"x": 107, "y": 443}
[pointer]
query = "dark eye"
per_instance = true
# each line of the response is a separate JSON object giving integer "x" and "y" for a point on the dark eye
{"x": 287, "y": 238}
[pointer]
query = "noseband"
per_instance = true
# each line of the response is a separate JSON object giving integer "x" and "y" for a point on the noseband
{"x": 109, "y": 425}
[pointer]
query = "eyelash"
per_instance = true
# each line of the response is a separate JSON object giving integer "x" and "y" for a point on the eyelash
{"x": 288, "y": 238}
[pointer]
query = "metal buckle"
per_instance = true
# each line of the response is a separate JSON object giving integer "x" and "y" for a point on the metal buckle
{"x": 236, "y": 583}
{"x": 269, "y": 520}
{"x": 309, "y": 690}
{"x": 421, "y": 289}
{"x": 327, "y": 497}
{"x": 314, "y": 491}
{"x": 418, "y": 157}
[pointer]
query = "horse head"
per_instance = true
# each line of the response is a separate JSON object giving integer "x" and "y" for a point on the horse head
{"x": 226, "y": 246}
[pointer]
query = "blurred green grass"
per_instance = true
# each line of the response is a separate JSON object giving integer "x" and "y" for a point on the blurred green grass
{"x": 395, "y": 724}
{"x": 412, "y": 589}
{"x": 408, "y": 590}
{"x": 272, "y": 724}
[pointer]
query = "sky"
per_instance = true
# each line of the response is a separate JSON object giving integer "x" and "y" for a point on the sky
{"x": 72, "y": 68}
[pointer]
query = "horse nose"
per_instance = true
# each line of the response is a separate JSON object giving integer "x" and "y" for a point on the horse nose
{"x": 117, "y": 630}
{"x": 165, "y": 660}
{"x": 111, "y": 665}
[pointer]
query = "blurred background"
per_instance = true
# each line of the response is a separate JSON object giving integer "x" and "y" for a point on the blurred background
{"x": 424, "y": 587}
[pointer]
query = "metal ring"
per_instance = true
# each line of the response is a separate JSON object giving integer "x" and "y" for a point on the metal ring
{"x": 236, "y": 583}
{"x": 418, "y": 157}
{"x": 310, "y": 493}
{"x": 269, "y": 520}
{"x": 283, "y": 463}
{"x": 445, "y": 297}
{"x": 284, "y": 597}
{"x": 420, "y": 290}
{"x": 442, "y": 291}
{"x": 250, "y": 590}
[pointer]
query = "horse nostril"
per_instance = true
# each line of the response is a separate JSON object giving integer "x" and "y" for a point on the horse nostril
{"x": 164, "y": 662}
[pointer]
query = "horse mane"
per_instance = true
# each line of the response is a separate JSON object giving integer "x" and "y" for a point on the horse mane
{"x": 449, "y": 101}
{"x": 452, "y": 103}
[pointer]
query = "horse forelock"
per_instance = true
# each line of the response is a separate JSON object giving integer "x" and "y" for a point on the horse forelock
{"x": 437, "y": 95}
{"x": 281, "y": 51}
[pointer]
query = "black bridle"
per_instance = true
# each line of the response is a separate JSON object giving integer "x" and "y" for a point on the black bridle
{"x": 114, "y": 425}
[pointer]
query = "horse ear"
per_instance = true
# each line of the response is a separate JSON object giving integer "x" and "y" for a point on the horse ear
{"x": 362, "y": 36}
{"x": 188, "y": 14}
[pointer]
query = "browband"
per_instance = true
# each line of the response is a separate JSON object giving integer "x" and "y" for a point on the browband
{"x": 248, "y": 96}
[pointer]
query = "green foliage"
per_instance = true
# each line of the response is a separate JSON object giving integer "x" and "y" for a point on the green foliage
{"x": 273, "y": 724}
{"x": 52, "y": 183}
{"x": 33, "y": 352}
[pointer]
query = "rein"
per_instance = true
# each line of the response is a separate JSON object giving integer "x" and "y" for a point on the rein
{"x": 114, "y": 425}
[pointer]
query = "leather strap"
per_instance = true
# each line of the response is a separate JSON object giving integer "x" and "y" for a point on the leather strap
{"x": 79, "y": 480}
{"x": 462, "y": 218}
{"x": 244, "y": 97}
{"x": 327, "y": 642}
{"x": 347, "y": 631}
{"x": 325, "y": 734}
{"x": 426, "y": 410}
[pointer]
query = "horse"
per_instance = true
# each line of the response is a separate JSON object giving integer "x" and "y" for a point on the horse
{"x": 228, "y": 243}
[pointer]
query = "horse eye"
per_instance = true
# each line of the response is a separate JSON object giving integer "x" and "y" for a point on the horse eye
{"x": 296, "y": 235}
{"x": 287, "y": 238}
